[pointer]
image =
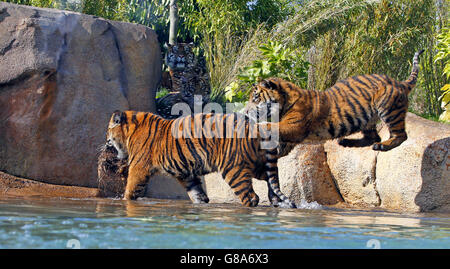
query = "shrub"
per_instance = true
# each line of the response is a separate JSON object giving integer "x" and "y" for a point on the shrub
{"x": 277, "y": 61}
{"x": 444, "y": 56}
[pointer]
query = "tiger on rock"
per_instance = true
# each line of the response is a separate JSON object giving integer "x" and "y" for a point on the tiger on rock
{"x": 189, "y": 147}
{"x": 351, "y": 105}
{"x": 186, "y": 78}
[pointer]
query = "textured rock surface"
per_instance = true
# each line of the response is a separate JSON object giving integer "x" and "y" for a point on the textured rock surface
{"x": 416, "y": 176}
{"x": 219, "y": 191}
{"x": 353, "y": 170}
{"x": 62, "y": 74}
{"x": 412, "y": 177}
{"x": 15, "y": 186}
{"x": 164, "y": 187}
{"x": 304, "y": 176}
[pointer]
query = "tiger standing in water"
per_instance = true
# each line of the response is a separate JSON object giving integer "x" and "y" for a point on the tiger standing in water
{"x": 351, "y": 105}
{"x": 189, "y": 147}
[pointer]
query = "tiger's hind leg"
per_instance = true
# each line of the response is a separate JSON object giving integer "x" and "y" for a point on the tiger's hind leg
{"x": 276, "y": 197}
{"x": 395, "y": 122}
{"x": 370, "y": 137}
{"x": 240, "y": 181}
{"x": 273, "y": 198}
{"x": 194, "y": 189}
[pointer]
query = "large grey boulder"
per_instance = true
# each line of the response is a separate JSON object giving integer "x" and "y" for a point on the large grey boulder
{"x": 416, "y": 177}
{"x": 305, "y": 176}
{"x": 353, "y": 170}
{"x": 62, "y": 74}
{"x": 412, "y": 177}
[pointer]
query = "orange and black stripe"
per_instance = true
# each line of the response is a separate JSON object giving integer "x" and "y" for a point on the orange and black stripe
{"x": 351, "y": 105}
{"x": 189, "y": 147}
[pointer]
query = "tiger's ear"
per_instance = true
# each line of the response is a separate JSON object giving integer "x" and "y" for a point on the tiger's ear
{"x": 268, "y": 83}
{"x": 118, "y": 116}
{"x": 167, "y": 46}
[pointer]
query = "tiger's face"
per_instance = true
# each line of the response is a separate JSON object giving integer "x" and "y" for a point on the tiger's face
{"x": 115, "y": 136}
{"x": 180, "y": 56}
{"x": 262, "y": 97}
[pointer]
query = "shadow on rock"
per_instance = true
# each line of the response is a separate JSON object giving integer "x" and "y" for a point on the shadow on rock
{"x": 435, "y": 172}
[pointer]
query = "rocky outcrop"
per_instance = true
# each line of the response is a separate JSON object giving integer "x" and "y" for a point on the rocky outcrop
{"x": 15, "y": 186}
{"x": 412, "y": 177}
{"x": 304, "y": 176}
{"x": 416, "y": 177}
{"x": 353, "y": 170}
{"x": 62, "y": 74}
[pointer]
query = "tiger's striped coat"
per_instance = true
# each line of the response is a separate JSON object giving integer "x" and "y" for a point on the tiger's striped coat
{"x": 189, "y": 147}
{"x": 351, "y": 105}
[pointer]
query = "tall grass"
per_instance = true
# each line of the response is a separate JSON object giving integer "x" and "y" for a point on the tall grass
{"x": 227, "y": 55}
{"x": 342, "y": 38}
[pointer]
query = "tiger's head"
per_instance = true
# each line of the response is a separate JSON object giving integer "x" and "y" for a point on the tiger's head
{"x": 115, "y": 136}
{"x": 264, "y": 95}
{"x": 180, "y": 56}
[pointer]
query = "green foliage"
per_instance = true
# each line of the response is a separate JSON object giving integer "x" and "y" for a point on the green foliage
{"x": 224, "y": 31}
{"x": 443, "y": 55}
{"x": 36, "y": 3}
{"x": 205, "y": 19}
{"x": 387, "y": 36}
{"x": 162, "y": 92}
{"x": 277, "y": 61}
{"x": 358, "y": 36}
{"x": 443, "y": 48}
{"x": 218, "y": 26}
{"x": 431, "y": 77}
{"x": 155, "y": 14}
{"x": 351, "y": 37}
{"x": 108, "y": 9}
{"x": 233, "y": 93}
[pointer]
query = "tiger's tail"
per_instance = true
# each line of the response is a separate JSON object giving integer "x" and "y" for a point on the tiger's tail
{"x": 411, "y": 81}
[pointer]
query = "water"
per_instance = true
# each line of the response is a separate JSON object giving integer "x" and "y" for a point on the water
{"x": 150, "y": 223}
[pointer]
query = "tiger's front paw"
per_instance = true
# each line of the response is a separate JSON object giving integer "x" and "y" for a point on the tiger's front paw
{"x": 129, "y": 195}
{"x": 254, "y": 201}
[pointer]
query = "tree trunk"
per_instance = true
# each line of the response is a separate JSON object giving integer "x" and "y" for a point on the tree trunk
{"x": 173, "y": 17}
